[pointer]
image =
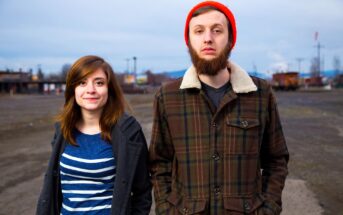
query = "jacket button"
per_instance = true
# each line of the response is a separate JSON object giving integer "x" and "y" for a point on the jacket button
{"x": 217, "y": 191}
{"x": 214, "y": 124}
{"x": 244, "y": 123}
{"x": 216, "y": 156}
{"x": 247, "y": 206}
{"x": 123, "y": 181}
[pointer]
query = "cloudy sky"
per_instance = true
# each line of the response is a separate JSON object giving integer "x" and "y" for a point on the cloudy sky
{"x": 271, "y": 34}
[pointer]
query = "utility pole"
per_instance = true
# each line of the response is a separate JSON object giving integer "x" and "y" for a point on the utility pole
{"x": 127, "y": 64}
{"x": 299, "y": 59}
{"x": 318, "y": 46}
{"x": 134, "y": 65}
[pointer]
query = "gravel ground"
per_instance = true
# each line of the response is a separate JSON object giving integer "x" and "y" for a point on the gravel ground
{"x": 312, "y": 121}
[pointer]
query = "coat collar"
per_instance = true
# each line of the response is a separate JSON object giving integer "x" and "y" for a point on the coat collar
{"x": 240, "y": 80}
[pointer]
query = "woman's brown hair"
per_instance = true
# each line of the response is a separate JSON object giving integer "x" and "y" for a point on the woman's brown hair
{"x": 71, "y": 112}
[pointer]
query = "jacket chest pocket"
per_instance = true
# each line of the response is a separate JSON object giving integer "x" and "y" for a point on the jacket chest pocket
{"x": 242, "y": 136}
{"x": 241, "y": 155}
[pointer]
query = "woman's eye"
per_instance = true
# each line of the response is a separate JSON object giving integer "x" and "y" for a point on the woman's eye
{"x": 99, "y": 83}
{"x": 82, "y": 83}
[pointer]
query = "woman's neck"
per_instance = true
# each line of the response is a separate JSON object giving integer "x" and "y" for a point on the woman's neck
{"x": 89, "y": 123}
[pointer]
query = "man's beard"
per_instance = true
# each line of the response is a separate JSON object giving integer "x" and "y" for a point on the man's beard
{"x": 209, "y": 67}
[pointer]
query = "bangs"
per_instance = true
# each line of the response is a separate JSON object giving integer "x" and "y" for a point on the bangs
{"x": 86, "y": 70}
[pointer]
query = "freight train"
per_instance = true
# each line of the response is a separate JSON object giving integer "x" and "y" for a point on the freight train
{"x": 285, "y": 81}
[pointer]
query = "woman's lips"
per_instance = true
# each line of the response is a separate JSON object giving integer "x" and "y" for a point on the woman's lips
{"x": 91, "y": 99}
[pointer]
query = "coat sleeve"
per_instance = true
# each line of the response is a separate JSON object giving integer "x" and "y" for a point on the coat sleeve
{"x": 161, "y": 156}
{"x": 141, "y": 187}
{"x": 274, "y": 159}
{"x": 57, "y": 131}
{"x": 46, "y": 200}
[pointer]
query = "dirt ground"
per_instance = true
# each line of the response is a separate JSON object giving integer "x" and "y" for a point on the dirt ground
{"x": 312, "y": 122}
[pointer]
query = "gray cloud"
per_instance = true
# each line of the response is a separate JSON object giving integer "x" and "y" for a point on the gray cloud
{"x": 50, "y": 32}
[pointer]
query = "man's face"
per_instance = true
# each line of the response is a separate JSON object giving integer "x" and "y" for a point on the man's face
{"x": 208, "y": 34}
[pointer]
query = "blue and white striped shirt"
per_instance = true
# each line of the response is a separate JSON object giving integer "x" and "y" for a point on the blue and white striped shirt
{"x": 87, "y": 176}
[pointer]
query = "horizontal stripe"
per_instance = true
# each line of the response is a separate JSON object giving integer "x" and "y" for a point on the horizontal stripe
{"x": 85, "y": 177}
{"x": 86, "y": 160}
{"x": 85, "y": 191}
{"x": 80, "y": 182}
{"x": 89, "y": 199}
{"x": 87, "y": 170}
{"x": 86, "y": 209}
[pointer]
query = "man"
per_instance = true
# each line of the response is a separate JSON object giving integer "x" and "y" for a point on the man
{"x": 217, "y": 145}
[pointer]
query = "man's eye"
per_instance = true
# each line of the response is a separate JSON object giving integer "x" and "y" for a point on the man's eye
{"x": 198, "y": 31}
{"x": 217, "y": 30}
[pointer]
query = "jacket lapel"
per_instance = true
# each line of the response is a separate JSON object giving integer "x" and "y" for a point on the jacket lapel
{"x": 240, "y": 80}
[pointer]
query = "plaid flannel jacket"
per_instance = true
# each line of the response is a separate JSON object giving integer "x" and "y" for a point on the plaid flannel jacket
{"x": 229, "y": 160}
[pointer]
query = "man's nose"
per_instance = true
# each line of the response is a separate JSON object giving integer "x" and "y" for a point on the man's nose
{"x": 208, "y": 37}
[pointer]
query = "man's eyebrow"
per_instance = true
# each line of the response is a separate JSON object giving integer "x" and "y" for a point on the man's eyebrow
{"x": 214, "y": 25}
{"x": 217, "y": 25}
{"x": 198, "y": 25}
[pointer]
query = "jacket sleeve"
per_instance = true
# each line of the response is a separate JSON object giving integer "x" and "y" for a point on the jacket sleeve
{"x": 274, "y": 159}
{"x": 141, "y": 187}
{"x": 57, "y": 131}
{"x": 46, "y": 200}
{"x": 161, "y": 156}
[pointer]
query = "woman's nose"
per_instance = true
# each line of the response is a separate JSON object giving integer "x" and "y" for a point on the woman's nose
{"x": 90, "y": 88}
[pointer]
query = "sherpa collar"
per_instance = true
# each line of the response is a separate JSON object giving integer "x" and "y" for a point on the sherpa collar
{"x": 240, "y": 80}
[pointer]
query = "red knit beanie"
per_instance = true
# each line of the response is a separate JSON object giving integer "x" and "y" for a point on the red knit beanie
{"x": 226, "y": 11}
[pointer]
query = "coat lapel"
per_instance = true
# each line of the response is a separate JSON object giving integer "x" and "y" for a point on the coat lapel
{"x": 240, "y": 80}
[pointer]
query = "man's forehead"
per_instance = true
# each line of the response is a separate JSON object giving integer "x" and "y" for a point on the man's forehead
{"x": 212, "y": 17}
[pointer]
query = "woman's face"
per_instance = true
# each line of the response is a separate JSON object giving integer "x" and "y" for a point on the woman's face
{"x": 92, "y": 93}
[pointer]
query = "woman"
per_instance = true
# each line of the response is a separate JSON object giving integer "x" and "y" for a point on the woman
{"x": 99, "y": 158}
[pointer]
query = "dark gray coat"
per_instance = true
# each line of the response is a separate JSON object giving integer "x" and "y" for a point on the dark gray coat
{"x": 132, "y": 187}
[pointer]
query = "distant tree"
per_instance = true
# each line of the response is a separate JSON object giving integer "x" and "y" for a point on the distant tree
{"x": 40, "y": 74}
{"x": 30, "y": 73}
{"x": 314, "y": 69}
{"x": 64, "y": 71}
{"x": 53, "y": 76}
